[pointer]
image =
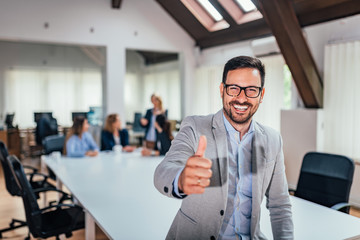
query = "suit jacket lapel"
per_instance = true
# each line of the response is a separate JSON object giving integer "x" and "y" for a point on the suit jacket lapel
{"x": 259, "y": 147}
{"x": 220, "y": 137}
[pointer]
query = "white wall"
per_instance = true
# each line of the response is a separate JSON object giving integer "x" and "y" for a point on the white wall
{"x": 319, "y": 35}
{"x": 139, "y": 24}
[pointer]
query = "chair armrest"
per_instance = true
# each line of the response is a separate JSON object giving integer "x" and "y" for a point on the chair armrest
{"x": 34, "y": 170}
{"x": 45, "y": 177}
{"x": 65, "y": 196}
{"x": 340, "y": 206}
{"x": 59, "y": 206}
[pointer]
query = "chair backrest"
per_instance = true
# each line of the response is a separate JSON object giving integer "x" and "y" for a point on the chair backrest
{"x": 54, "y": 143}
{"x": 325, "y": 178}
{"x": 32, "y": 210}
{"x": 10, "y": 181}
{"x": 136, "y": 125}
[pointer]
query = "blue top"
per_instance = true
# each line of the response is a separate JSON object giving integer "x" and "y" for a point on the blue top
{"x": 237, "y": 219}
{"x": 77, "y": 147}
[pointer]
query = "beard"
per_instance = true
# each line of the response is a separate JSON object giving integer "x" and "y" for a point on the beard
{"x": 240, "y": 118}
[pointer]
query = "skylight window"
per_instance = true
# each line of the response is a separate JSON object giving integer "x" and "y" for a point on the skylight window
{"x": 211, "y": 10}
{"x": 246, "y": 5}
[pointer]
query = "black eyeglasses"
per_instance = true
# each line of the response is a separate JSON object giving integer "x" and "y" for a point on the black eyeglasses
{"x": 234, "y": 90}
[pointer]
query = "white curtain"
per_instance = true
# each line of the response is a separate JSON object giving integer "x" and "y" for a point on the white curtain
{"x": 60, "y": 91}
{"x": 269, "y": 111}
{"x": 167, "y": 85}
{"x": 208, "y": 100}
{"x": 342, "y": 98}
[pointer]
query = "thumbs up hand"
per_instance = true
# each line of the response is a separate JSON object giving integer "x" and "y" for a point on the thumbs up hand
{"x": 197, "y": 172}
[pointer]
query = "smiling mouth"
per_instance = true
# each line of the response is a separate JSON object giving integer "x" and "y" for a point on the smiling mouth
{"x": 240, "y": 108}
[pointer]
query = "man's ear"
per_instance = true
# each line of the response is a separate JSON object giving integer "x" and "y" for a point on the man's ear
{"x": 262, "y": 94}
{"x": 221, "y": 87}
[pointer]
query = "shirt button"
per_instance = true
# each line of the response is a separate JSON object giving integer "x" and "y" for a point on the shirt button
{"x": 222, "y": 212}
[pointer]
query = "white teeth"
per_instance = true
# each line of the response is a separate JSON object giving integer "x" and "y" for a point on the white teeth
{"x": 240, "y": 107}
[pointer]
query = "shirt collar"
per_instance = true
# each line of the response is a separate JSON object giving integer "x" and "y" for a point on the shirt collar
{"x": 230, "y": 128}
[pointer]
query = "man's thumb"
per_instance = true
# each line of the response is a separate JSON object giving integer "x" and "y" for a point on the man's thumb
{"x": 201, "y": 147}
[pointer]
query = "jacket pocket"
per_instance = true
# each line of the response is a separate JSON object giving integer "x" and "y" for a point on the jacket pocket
{"x": 186, "y": 217}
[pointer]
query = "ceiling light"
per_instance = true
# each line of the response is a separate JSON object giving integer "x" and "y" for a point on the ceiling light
{"x": 247, "y": 5}
{"x": 211, "y": 9}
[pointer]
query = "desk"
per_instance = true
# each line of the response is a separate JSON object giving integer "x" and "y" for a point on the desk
{"x": 117, "y": 192}
{"x": 315, "y": 222}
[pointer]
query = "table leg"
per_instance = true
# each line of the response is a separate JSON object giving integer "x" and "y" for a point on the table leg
{"x": 89, "y": 226}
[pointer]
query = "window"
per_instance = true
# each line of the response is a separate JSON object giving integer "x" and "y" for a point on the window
{"x": 246, "y": 5}
{"x": 60, "y": 91}
{"x": 211, "y": 10}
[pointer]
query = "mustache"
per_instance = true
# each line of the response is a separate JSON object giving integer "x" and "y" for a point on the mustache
{"x": 238, "y": 103}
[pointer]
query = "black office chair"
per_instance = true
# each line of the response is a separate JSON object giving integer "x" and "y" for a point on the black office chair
{"x": 52, "y": 144}
{"x": 326, "y": 179}
{"x": 37, "y": 180}
{"x": 50, "y": 221}
{"x": 11, "y": 187}
{"x": 14, "y": 190}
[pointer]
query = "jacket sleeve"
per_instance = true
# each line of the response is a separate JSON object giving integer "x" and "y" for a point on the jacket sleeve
{"x": 124, "y": 137}
{"x": 104, "y": 141}
{"x": 182, "y": 147}
{"x": 147, "y": 117}
{"x": 165, "y": 143}
{"x": 278, "y": 200}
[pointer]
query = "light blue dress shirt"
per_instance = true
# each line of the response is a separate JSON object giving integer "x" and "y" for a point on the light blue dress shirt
{"x": 77, "y": 147}
{"x": 237, "y": 220}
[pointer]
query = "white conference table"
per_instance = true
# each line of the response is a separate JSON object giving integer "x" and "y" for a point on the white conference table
{"x": 117, "y": 192}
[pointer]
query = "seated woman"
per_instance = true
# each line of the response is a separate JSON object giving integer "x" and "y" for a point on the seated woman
{"x": 113, "y": 135}
{"x": 80, "y": 143}
{"x": 163, "y": 137}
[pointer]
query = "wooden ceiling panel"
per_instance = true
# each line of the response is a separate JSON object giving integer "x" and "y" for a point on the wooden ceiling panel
{"x": 308, "y": 12}
{"x": 331, "y": 12}
{"x": 282, "y": 20}
{"x": 184, "y": 18}
{"x": 246, "y": 31}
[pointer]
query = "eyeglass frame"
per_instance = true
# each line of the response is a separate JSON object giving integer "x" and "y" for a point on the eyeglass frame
{"x": 241, "y": 88}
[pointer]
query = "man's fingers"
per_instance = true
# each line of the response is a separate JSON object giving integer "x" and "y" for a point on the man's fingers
{"x": 198, "y": 172}
{"x": 201, "y": 147}
{"x": 199, "y": 162}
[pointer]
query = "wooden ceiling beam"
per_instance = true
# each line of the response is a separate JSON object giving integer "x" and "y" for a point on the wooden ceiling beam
{"x": 281, "y": 18}
{"x": 242, "y": 32}
{"x": 223, "y": 12}
{"x": 335, "y": 11}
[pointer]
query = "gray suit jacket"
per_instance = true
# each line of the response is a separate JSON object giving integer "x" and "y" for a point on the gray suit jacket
{"x": 200, "y": 214}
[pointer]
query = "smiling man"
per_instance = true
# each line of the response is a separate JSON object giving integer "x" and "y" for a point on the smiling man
{"x": 223, "y": 165}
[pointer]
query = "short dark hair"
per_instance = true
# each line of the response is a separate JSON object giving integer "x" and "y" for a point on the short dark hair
{"x": 244, "y": 62}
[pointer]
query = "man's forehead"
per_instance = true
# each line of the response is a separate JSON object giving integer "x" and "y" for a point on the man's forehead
{"x": 251, "y": 73}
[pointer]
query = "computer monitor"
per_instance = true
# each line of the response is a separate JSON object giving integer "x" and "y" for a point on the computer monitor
{"x": 38, "y": 115}
{"x": 78, "y": 114}
{"x": 136, "y": 125}
{"x": 9, "y": 119}
{"x": 95, "y": 116}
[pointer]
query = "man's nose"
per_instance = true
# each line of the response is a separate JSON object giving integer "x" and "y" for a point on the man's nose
{"x": 242, "y": 96}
